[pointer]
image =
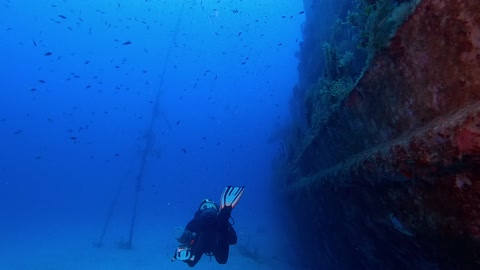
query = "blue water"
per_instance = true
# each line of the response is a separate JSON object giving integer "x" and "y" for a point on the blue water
{"x": 80, "y": 81}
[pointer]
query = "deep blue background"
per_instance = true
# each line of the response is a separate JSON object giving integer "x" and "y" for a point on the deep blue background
{"x": 224, "y": 79}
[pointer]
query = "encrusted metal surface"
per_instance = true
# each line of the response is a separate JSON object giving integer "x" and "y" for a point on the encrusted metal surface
{"x": 403, "y": 149}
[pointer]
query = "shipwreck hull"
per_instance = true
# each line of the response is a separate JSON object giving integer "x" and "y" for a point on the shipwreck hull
{"x": 392, "y": 178}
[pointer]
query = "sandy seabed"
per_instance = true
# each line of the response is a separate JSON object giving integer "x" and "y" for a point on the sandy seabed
{"x": 57, "y": 246}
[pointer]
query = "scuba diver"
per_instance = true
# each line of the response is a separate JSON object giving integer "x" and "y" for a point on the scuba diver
{"x": 209, "y": 232}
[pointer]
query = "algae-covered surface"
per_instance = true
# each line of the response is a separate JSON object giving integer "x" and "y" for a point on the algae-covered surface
{"x": 387, "y": 165}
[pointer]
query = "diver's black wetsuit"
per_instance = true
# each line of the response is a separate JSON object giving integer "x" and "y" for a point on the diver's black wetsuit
{"x": 213, "y": 235}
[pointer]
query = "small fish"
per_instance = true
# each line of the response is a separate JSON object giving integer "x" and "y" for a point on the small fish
{"x": 18, "y": 131}
{"x": 34, "y": 43}
{"x": 41, "y": 81}
{"x": 301, "y": 12}
{"x": 178, "y": 122}
{"x": 127, "y": 43}
{"x": 239, "y": 33}
{"x": 48, "y": 54}
{"x": 73, "y": 138}
{"x": 62, "y": 16}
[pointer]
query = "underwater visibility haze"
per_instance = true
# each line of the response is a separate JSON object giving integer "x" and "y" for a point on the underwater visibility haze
{"x": 106, "y": 100}
{"x": 352, "y": 125}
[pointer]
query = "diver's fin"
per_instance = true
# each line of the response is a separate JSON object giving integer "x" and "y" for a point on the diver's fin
{"x": 230, "y": 196}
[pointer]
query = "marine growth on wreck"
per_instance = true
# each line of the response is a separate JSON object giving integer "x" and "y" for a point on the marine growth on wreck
{"x": 383, "y": 162}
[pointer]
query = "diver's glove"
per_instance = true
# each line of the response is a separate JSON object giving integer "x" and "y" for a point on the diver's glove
{"x": 183, "y": 253}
